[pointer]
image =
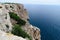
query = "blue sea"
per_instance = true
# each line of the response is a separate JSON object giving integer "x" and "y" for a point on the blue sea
{"x": 47, "y": 18}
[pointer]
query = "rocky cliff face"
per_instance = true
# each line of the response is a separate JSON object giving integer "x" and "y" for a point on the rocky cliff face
{"x": 4, "y": 19}
{"x": 6, "y": 22}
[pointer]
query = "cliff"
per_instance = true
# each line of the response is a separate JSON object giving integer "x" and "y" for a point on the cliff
{"x": 7, "y": 21}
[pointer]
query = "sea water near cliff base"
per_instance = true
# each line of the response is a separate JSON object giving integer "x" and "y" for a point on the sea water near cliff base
{"x": 47, "y": 18}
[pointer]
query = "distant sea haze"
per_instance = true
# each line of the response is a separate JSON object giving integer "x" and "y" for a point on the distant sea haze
{"x": 47, "y": 18}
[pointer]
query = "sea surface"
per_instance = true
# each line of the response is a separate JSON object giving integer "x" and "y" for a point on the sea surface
{"x": 47, "y": 18}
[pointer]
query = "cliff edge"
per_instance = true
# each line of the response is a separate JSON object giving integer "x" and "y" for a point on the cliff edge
{"x": 11, "y": 14}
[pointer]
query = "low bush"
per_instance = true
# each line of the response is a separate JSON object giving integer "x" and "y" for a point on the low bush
{"x": 17, "y": 30}
{"x": 17, "y": 18}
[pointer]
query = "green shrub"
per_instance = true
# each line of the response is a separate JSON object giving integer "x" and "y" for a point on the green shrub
{"x": 17, "y": 18}
{"x": 17, "y": 30}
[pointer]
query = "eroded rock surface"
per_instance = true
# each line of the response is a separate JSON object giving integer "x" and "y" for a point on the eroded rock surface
{"x": 8, "y": 36}
{"x": 6, "y": 22}
{"x": 32, "y": 31}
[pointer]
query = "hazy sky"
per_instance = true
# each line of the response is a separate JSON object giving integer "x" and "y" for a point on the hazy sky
{"x": 33, "y": 1}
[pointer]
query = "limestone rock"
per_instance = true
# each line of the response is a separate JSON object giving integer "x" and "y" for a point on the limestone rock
{"x": 18, "y": 9}
{"x": 32, "y": 31}
{"x": 6, "y": 22}
{"x": 22, "y": 13}
{"x": 8, "y": 36}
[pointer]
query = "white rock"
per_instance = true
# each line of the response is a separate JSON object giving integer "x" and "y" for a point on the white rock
{"x": 8, "y": 36}
{"x": 4, "y": 19}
